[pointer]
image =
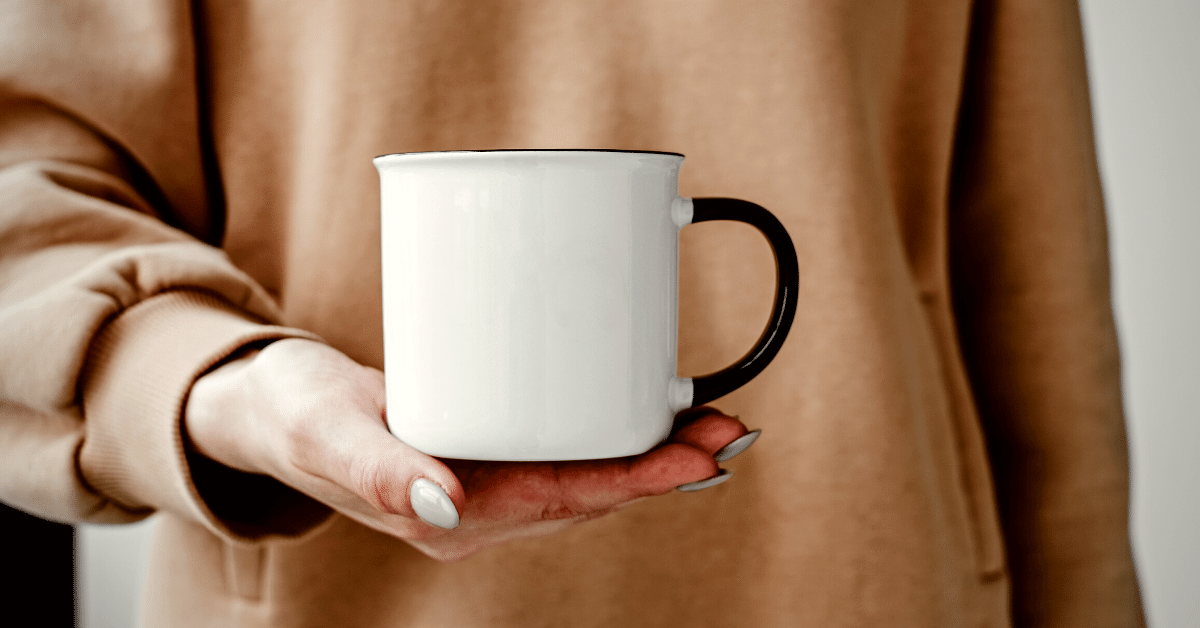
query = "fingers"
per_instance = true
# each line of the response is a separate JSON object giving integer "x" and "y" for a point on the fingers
{"x": 671, "y": 465}
{"x": 708, "y": 430}
{"x": 528, "y": 499}
{"x": 689, "y": 456}
{"x": 724, "y": 436}
{"x": 585, "y": 487}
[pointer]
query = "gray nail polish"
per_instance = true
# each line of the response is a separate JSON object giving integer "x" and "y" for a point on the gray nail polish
{"x": 725, "y": 474}
{"x": 432, "y": 504}
{"x": 736, "y": 447}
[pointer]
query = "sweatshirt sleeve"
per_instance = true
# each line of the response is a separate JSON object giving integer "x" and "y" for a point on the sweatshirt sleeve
{"x": 1029, "y": 253}
{"x": 111, "y": 301}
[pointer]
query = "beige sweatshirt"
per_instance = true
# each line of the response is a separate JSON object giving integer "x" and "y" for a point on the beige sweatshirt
{"x": 943, "y": 436}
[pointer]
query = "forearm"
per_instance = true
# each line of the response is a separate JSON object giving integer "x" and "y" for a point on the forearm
{"x": 111, "y": 303}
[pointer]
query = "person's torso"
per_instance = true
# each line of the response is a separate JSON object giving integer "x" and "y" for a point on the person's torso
{"x": 866, "y": 501}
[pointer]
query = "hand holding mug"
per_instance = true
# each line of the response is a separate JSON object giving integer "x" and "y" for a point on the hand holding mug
{"x": 311, "y": 417}
{"x": 530, "y": 316}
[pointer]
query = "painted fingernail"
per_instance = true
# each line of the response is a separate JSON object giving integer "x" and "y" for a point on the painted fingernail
{"x": 736, "y": 447}
{"x": 725, "y": 474}
{"x": 432, "y": 504}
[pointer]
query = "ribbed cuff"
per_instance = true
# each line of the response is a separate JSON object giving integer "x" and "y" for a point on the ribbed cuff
{"x": 139, "y": 372}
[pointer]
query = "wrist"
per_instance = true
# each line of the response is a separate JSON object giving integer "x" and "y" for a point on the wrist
{"x": 221, "y": 424}
{"x": 215, "y": 407}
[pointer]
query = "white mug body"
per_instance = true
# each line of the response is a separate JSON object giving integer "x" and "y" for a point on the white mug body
{"x": 530, "y": 302}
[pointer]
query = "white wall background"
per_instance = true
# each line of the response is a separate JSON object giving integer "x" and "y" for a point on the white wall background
{"x": 1145, "y": 70}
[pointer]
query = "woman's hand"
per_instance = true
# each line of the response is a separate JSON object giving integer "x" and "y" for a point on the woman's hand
{"x": 311, "y": 417}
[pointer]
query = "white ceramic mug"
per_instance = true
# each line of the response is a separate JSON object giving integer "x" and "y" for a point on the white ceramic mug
{"x": 530, "y": 301}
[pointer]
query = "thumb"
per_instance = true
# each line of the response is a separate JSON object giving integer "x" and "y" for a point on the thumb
{"x": 359, "y": 455}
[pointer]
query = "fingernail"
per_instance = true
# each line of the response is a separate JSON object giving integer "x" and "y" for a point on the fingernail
{"x": 725, "y": 474}
{"x": 432, "y": 504}
{"x": 736, "y": 447}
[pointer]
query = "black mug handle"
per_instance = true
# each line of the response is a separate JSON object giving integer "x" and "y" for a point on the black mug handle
{"x": 787, "y": 282}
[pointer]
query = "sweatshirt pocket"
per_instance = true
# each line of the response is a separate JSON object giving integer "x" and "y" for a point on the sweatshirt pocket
{"x": 974, "y": 469}
{"x": 244, "y": 569}
{"x": 980, "y": 496}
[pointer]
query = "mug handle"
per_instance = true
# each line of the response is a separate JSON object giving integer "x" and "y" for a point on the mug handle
{"x": 787, "y": 282}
